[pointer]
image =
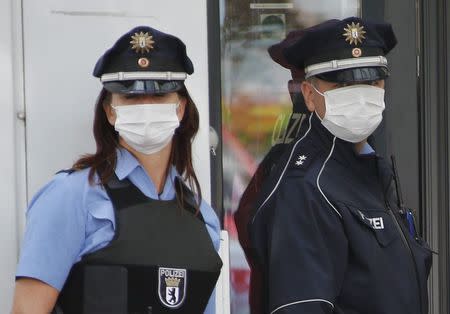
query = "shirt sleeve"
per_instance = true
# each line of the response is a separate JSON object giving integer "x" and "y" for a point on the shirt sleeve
{"x": 55, "y": 231}
{"x": 212, "y": 223}
{"x": 307, "y": 251}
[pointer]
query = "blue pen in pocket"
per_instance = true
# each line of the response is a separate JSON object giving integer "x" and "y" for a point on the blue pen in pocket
{"x": 406, "y": 213}
{"x": 411, "y": 223}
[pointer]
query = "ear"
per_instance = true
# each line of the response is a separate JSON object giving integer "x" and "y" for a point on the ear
{"x": 110, "y": 113}
{"x": 181, "y": 108}
{"x": 308, "y": 95}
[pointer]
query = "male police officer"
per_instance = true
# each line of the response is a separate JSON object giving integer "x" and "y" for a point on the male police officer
{"x": 327, "y": 231}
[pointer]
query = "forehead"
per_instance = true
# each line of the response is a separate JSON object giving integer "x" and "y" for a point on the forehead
{"x": 332, "y": 85}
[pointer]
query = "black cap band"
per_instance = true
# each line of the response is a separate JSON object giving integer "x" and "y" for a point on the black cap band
{"x": 355, "y": 75}
{"x": 143, "y": 87}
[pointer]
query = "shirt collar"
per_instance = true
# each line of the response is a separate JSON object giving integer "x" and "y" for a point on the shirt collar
{"x": 367, "y": 150}
{"x": 126, "y": 163}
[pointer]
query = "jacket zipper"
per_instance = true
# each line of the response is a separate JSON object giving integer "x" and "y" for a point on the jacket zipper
{"x": 406, "y": 243}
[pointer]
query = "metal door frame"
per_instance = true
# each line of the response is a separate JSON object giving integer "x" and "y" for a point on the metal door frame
{"x": 435, "y": 144}
{"x": 215, "y": 101}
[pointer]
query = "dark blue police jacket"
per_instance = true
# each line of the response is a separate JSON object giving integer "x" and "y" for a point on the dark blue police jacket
{"x": 329, "y": 236}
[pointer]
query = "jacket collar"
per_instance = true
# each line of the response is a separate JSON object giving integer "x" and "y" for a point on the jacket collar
{"x": 343, "y": 151}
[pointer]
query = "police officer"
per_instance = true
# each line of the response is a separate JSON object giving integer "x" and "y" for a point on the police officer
{"x": 327, "y": 230}
{"x": 121, "y": 232}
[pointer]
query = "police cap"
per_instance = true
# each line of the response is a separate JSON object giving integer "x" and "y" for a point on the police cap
{"x": 144, "y": 61}
{"x": 276, "y": 53}
{"x": 349, "y": 50}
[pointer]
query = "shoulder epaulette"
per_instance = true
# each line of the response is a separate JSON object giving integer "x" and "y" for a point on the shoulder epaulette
{"x": 303, "y": 156}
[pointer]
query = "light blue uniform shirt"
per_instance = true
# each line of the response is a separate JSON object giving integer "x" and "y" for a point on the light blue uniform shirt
{"x": 69, "y": 218}
{"x": 367, "y": 150}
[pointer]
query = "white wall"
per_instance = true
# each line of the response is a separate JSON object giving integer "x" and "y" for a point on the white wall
{"x": 8, "y": 226}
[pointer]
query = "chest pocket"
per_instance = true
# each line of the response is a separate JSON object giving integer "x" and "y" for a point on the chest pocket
{"x": 378, "y": 221}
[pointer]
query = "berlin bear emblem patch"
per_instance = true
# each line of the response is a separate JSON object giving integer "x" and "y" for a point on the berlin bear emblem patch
{"x": 172, "y": 286}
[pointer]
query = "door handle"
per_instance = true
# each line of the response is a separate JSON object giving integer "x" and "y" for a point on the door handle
{"x": 213, "y": 140}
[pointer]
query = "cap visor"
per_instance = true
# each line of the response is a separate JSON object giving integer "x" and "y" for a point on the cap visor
{"x": 143, "y": 87}
{"x": 355, "y": 75}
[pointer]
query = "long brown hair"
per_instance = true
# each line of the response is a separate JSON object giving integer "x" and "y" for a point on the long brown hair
{"x": 103, "y": 162}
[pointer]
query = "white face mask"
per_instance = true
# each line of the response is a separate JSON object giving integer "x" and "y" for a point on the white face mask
{"x": 147, "y": 128}
{"x": 353, "y": 112}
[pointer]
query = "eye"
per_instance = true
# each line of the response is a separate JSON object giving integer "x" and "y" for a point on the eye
{"x": 375, "y": 83}
{"x": 131, "y": 96}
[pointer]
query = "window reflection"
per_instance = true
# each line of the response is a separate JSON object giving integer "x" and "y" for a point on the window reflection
{"x": 255, "y": 101}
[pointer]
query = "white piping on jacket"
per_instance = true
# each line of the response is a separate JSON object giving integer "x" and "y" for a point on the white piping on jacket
{"x": 320, "y": 173}
{"x": 284, "y": 170}
{"x": 303, "y": 301}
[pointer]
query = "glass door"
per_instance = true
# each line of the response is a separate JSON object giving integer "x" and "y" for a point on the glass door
{"x": 255, "y": 102}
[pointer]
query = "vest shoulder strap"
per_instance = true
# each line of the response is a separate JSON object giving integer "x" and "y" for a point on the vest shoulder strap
{"x": 68, "y": 171}
{"x": 124, "y": 194}
{"x": 188, "y": 197}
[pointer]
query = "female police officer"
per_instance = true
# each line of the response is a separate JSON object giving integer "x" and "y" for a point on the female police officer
{"x": 120, "y": 232}
{"x": 327, "y": 231}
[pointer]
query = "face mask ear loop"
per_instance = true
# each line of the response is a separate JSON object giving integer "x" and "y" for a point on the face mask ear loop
{"x": 318, "y": 116}
{"x": 318, "y": 92}
{"x": 176, "y": 110}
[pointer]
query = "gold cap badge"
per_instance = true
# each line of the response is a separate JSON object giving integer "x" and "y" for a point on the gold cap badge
{"x": 142, "y": 42}
{"x": 354, "y": 33}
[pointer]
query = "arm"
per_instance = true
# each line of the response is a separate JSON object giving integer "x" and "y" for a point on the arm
{"x": 307, "y": 251}
{"x": 212, "y": 223}
{"x": 33, "y": 296}
{"x": 54, "y": 236}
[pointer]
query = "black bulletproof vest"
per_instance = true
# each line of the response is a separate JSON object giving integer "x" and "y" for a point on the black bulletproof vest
{"x": 161, "y": 259}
